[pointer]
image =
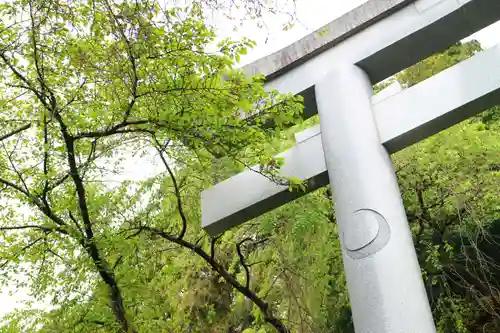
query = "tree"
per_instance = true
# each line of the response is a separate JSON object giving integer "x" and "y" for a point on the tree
{"x": 85, "y": 84}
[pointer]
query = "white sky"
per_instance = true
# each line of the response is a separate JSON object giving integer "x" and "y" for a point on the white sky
{"x": 312, "y": 14}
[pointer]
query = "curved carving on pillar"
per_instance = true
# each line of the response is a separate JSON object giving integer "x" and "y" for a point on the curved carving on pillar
{"x": 367, "y": 233}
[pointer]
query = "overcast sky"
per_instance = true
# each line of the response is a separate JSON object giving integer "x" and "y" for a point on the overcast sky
{"x": 311, "y": 14}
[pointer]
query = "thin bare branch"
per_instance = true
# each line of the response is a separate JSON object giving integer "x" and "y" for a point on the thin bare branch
{"x": 242, "y": 261}
{"x": 45, "y": 157}
{"x": 31, "y": 226}
{"x": 213, "y": 242}
{"x": 14, "y": 132}
{"x": 14, "y": 186}
{"x": 75, "y": 222}
{"x": 178, "y": 196}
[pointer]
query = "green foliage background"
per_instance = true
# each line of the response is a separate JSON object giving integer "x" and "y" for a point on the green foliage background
{"x": 92, "y": 94}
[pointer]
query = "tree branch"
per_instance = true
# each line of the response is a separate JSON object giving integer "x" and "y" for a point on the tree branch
{"x": 27, "y": 246}
{"x": 132, "y": 60}
{"x": 75, "y": 222}
{"x": 242, "y": 261}
{"x": 45, "y": 229}
{"x": 180, "y": 209}
{"x": 38, "y": 64}
{"x": 45, "y": 157}
{"x": 15, "y": 187}
{"x": 20, "y": 76}
{"x": 89, "y": 243}
{"x": 116, "y": 129}
{"x": 9, "y": 157}
{"x": 213, "y": 241}
{"x": 14, "y": 132}
{"x": 217, "y": 267}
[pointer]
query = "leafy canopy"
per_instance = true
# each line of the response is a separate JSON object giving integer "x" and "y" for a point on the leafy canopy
{"x": 86, "y": 84}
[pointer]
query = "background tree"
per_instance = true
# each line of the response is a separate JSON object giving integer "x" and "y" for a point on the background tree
{"x": 450, "y": 184}
{"x": 85, "y": 84}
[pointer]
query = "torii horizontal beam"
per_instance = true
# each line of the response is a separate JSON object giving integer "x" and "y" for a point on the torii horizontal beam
{"x": 382, "y": 37}
{"x": 402, "y": 119}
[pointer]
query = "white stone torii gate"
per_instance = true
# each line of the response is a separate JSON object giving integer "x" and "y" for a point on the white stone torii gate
{"x": 357, "y": 132}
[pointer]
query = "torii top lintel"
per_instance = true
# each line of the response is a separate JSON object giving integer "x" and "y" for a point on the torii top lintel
{"x": 382, "y": 37}
{"x": 325, "y": 38}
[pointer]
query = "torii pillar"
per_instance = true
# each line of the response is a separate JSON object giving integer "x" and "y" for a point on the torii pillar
{"x": 381, "y": 267}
